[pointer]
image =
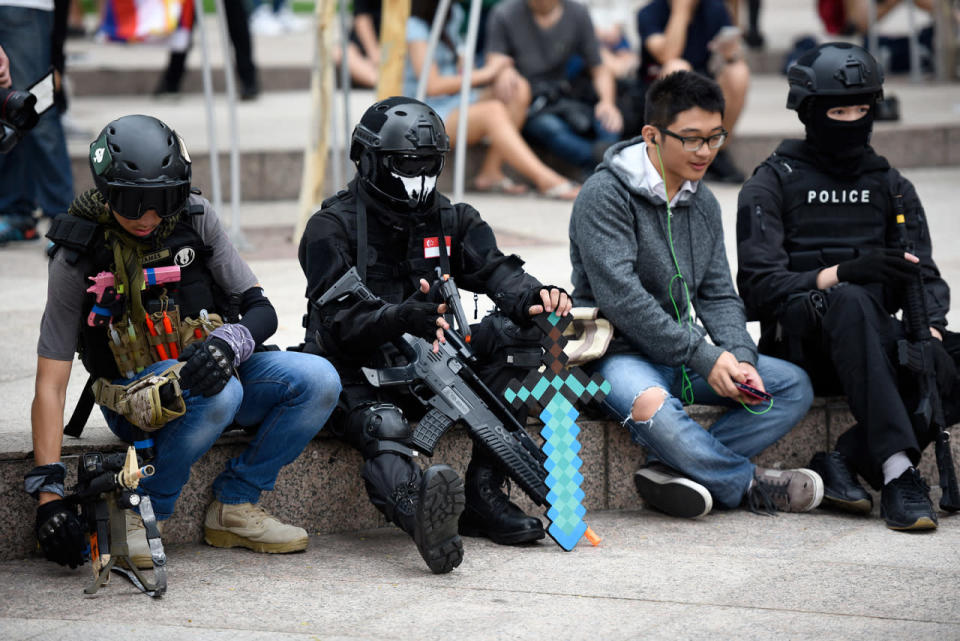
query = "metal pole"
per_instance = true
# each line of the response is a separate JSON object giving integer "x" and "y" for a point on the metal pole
{"x": 460, "y": 155}
{"x": 236, "y": 234}
{"x": 945, "y": 41}
{"x": 335, "y": 135}
{"x": 345, "y": 89}
{"x": 872, "y": 38}
{"x": 914, "y": 42}
{"x": 435, "y": 30}
{"x": 208, "y": 105}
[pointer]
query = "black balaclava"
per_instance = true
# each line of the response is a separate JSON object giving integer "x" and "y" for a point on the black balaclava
{"x": 838, "y": 144}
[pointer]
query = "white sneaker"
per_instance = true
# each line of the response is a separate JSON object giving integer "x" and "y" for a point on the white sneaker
{"x": 250, "y": 526}
{"x": 291, "y": 22}
{"x": 667, "y": 491}
{"x": 264, "y": 23}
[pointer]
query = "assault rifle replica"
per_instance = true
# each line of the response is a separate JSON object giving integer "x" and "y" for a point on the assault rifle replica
{"x": 916, "y": 354}
{"x": 105, "y": 487}
{"x": 445, "y": 383}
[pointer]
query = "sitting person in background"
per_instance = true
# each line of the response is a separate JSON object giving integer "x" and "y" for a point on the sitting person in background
{"x": 490, "y": 118}
{"x": 540, "y": 37}
{"x": 363, "y": 47}
{"x": 697, "y": 35}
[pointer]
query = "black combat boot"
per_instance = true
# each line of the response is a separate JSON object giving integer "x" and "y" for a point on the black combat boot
{"x": 491, "y": 514}
{"x": 905, "y": 503}
{"x": 428, "y": 512}
{"x": 840, "y": 487}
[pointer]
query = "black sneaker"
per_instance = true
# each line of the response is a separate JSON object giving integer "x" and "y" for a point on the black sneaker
{"x": 722, "y": 170}
{"x": 905, "y": 503}
{"x": 439, "y": 504}
{"x": 840, "y": 487}
{"x": 665, "y": 490}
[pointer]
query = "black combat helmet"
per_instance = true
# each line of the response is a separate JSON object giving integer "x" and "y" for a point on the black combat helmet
{"x": 398, "y": 148}
{"x": 139, "y": 163}
{"x": 834, "y": 70}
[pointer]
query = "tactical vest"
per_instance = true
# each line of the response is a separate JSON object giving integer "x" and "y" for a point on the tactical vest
{"x": 394, "y": 273}
{"x": 826, "y": 220}
{"x": 197, "y": 290}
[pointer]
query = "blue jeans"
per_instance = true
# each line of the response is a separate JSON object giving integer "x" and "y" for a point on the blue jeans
{"x": 552, "y": 132}
{"x": 289, "y": 395}
{"x": 36, "y": 173}
{"x": 718, "y": 458}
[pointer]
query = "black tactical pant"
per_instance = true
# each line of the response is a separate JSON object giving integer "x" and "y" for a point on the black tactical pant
{"x": 848, "y": 346}
{"x": 389, "y": 475}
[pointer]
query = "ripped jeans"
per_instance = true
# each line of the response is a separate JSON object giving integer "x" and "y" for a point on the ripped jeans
{"x": 718, "y": 458}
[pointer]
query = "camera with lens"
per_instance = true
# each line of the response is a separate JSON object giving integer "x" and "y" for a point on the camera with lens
{"x": 21, "y": 110}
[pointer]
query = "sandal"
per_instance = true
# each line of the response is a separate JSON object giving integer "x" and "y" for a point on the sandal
{"x": 567, "y": 190}
{"x": 503, "y": 186}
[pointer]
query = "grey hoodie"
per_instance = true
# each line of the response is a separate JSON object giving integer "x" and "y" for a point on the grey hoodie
{"x": 621, "y": 261}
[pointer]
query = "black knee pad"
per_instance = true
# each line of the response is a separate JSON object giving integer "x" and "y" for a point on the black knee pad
{"x": 378, "y": 427}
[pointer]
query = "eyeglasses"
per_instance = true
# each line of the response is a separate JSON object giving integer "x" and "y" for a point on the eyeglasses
{"x": 693, "y": 143}
{"x": 411, "y": 165}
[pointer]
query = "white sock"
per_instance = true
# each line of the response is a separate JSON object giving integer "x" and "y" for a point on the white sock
{"x": 895, "y": 465}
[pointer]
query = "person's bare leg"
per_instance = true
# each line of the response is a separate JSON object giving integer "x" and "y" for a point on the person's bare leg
{"x": 490, "y": 119}
{"x": 734, "y": 81}
{"x": 491, "y": 172}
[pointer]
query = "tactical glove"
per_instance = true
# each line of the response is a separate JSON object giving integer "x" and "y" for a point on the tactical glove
{"x": 414, "y": 316}
{"x": 884, "y": 266}
{"x": 60, "y": 534}
{"x": 209, "y": 366}
{"x": 532, "y": 296}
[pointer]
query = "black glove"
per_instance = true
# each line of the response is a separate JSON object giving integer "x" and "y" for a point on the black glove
{"x": 209, "y": 366}
{"x": 884, "y": 266}
{"x": 60, "y": 534}
{"x": 532, "y": 297}
{"x": 414, "y": 316}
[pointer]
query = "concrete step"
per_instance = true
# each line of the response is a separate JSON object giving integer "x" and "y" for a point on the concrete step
{"x": 272, "y": 133}
{"x": 323, "y": 492}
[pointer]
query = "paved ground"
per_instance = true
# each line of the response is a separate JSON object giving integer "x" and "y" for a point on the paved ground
{"x": 730, "y": 575}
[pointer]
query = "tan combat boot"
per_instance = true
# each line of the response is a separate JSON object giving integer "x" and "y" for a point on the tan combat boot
{"x": 249, "y": 525}
{"x": 137, "y": 546}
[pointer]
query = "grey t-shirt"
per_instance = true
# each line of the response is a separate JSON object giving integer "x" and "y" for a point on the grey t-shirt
{"x": 542, "y": 54}
{"x": 66, "y": 285}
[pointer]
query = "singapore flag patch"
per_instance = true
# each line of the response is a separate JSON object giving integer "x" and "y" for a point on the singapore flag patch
{"x": 431, "y": 247}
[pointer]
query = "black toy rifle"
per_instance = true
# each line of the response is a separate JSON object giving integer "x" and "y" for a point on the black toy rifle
{"x": 444, "y": 382}
{"x": 105, "y": 487}
{"x": 916, "y": 354}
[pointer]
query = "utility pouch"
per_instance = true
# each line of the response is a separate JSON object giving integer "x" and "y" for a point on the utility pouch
{"x": 197, "y": 329}
{"x": 129, "y": 347}
{"x": 149, "y": 403}
{"x": 167, "y": 334}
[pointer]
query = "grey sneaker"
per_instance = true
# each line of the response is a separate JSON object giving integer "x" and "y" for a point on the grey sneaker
{"x": 250, "y": 526}
{"x": 667, "y": 491}
{"x": 799, "y": 490}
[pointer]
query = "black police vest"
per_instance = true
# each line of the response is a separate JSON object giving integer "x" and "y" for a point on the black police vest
{"x": 196, "y": 290}
{"x": 826, "y": 220}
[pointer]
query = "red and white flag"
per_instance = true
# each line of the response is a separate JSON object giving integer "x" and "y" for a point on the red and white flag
{"x": 431, "y": 247}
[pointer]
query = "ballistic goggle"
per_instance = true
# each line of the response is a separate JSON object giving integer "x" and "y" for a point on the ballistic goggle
{"x": 411, "y": 165}
{"x": 133, "y": 200}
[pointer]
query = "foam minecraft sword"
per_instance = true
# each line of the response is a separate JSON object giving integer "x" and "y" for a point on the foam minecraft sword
{"x": 556, "y": 389}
